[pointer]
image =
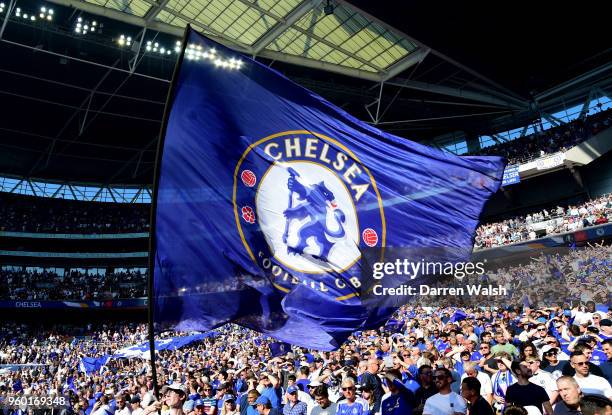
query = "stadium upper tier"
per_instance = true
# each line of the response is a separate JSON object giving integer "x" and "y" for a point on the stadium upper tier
{"x": 550, "y": 141}
{"x": 46, "y": 215}
{"x": 31, "y": 283}
{"x": 40, "y": 215}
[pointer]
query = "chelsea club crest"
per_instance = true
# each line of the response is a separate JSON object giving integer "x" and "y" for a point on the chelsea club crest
{"x": 305, "y": 208}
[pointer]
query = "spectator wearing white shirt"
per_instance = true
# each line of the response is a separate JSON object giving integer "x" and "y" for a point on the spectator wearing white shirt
{"x": 589, "y": 383}
{"x": 542, "y": 378}
{"x": 486, "y": 387}
{"x": 445, "y": 402}
{"x": 123, "y": 407}
{"x": 323, "y": 405}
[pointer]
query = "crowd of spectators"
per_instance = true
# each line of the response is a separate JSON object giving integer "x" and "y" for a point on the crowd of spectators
{"x": 544, "y": 223}
{"x": 46, "y": 215}
{"x": 72, "y": 285}
{"x": 550, "y": 141}
{"x": 518, "y": 359}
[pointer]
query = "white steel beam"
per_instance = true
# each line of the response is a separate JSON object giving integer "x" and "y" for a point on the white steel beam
{"x": 293, "y": 16}
{"x": 411, "y": 59}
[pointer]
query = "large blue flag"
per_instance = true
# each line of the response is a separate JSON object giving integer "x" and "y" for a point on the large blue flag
{"x": 269, "y": 199}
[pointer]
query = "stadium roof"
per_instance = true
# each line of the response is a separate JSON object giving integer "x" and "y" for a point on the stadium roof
{"x": 340, "y": 39}
{"x": 88, "y": 108}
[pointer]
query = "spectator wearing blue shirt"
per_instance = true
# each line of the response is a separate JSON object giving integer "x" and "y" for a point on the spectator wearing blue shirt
{"x": 606, "y": 367}
{"x": 271, "y": 389}
{"x": 293, "y": 405}
{"x": 352, "y": 404}
{"x": 247, "y": 402}
{"x": 264, "y": 406}
{"x": 401, "y": 400}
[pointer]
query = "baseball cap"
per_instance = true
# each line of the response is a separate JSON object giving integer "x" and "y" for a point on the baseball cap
{"x": 548, "y": 348}
{"x": 606, "y": 322}
{"x": 314, "y": 384}
{"x": 229, "y": 397}
{"x": 262, "y": 400}
{"x": 178, "y": 387}
{"x": 135, "y": 399}
{"x": 199, "y": 402}
{"x": 292, "y": 389}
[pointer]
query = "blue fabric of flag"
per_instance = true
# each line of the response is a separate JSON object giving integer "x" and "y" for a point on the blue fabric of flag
{"x": 269, "y": 199}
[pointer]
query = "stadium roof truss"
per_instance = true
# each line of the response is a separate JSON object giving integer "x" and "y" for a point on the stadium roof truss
{"x": 333, "y": 36}
{"x": 76, "y": 191}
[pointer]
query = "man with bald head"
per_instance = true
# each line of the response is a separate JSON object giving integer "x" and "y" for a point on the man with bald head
{"x": 570, "y": 393}
{"x": 371, "y": 379}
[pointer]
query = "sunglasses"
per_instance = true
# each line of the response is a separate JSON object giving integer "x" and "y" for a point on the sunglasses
{"x": 581, "y": 363}
{"x": 541, "y": 329}
{"x": 348, "y": 389}
{"x": 550, "y": 354}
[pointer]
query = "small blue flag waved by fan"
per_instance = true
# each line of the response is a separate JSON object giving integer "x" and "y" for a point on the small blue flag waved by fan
{"x": 394, "y": 326}
{"x": 279, "y": 348}
{"x": 458, "y": 315}
{"x": 268, "y": 197}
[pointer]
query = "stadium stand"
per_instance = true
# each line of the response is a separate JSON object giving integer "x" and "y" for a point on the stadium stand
{"x": 46, "y": 215}
{"x": 545, "y": 223}
{"x": 238, "y": 362}
{"x": 43, "y": 284}
{"x": 550, "y": 141}
{"x": 82, "y": 110}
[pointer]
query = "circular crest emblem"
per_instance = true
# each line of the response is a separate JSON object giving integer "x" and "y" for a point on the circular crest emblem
{"x": 316, "y": 206}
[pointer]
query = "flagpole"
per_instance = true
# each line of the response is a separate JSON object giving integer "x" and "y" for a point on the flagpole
{"x": 156, "y": 174}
